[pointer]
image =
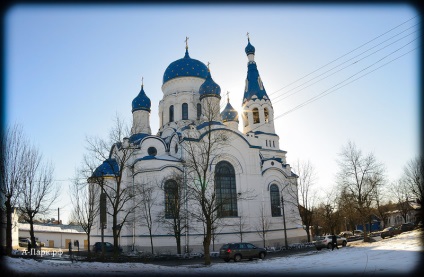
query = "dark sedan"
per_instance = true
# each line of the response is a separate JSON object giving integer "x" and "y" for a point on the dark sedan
{"x": 390, "y": 232}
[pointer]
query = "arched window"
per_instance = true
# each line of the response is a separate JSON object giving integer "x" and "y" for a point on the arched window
{"x": 275, "y": 200}
{"x": 171, "y": 199}
{"x": 185, "y": 111}
{"x": 225, "y": 186}
{"x": 171, "y": 113}
{"x": 266, "y": 114}
{"x": 255, "y": 116}
{"x": 199, "y": 111}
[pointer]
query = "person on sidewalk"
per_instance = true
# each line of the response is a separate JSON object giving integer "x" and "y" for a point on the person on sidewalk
{"x": 334, "y": 242}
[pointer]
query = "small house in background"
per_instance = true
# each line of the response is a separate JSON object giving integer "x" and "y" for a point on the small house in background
{"x": 375, "y": 225}
{"x": 395, "y": 217}
{"x": 56, "y": 235}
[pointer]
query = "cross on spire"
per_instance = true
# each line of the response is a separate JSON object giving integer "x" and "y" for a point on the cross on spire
{"x": 247, "y": 34}
{"x": 208, "y": 65}
{"x": 142, "y": 80}
{"x": 228, "y": 96}
{"x": 186, "y": 41}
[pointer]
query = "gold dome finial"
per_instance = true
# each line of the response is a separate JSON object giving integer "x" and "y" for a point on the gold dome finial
{"x": 186, "y": 41}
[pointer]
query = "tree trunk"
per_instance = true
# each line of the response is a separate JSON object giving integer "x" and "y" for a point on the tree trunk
{"x": 31, "y": 233}
{"x": 8, "y": 227}
{"x": 115, "y": 236}
{"x": 207, "y": 243}
{"x": 178, "y": 239}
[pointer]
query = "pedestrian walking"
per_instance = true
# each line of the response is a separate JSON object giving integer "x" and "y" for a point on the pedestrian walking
{"x": 71, "y": 256}
{"x": 334, "y": 242}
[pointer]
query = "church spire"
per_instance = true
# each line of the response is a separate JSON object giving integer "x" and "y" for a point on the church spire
{"x": 254, "y": 88}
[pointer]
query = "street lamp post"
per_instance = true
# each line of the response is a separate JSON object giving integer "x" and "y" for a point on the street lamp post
{"x": 284, "y": 220}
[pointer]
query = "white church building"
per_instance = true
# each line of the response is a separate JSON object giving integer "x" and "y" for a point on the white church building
{"x": 251, "y": 161}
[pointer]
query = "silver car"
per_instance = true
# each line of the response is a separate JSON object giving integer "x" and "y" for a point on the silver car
{"x": 326, "y": 241}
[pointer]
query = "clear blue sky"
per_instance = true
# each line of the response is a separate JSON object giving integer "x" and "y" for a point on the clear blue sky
{"x": 71, "y": 68}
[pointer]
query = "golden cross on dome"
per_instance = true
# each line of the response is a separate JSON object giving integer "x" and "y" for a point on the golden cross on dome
{"x": 228, "y": 96}
{"x": 248, "y": 36}
{"x": 186, "y": 41}
{"x": 208, "y": 65}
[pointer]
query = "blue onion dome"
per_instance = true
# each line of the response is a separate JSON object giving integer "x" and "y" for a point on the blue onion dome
{"x": 141, "y": 102}
{"x": 185, "y": 67}
{"x": 109, "y": 168}
{"x": 250, "y": 49}
{"x": 229, "y": 113}
{"x": 209, "y": 87}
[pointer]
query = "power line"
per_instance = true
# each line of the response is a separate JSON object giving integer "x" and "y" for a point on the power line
{"x": 347, "y": 53}
{"x": 335, "y": 88}
{"x": 343, "y": 67}
{"x": 353, "y": 63}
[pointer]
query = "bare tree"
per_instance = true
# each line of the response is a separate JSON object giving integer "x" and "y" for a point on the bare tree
{"x": 240, "y": 227}
{"x": 85, "y": 200}
{"x": 306, "y": 195}
{"x": 263, "y": 225}
{"x": 13, "y": 147}
{"x": 413, "y": 176}
{"x": 202, "y": 148}
{"x": 360, "y": 175}
{"x": 402, "y": 196}
{"x": 38, "y": 189}
{"x": 147, "y": 198}
{"x": 173, "y": 217}
{"x": 114, "y": 164}
{"x": 346, "y": 205}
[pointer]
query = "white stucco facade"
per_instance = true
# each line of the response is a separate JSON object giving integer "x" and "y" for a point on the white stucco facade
{"x": 254, "y": 157}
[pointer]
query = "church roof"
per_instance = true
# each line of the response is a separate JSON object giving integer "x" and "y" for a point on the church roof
{"x": 136, "y": 138}
{"x": 250, "y": 49}
{"x": 185, "y": 67}
{"x": 108, "y": 168}
{"x": 209, "y": 87}
{"x": 254, "y": 86}
{"x": 229, "y": 113}
{"x": 141, "y": 102}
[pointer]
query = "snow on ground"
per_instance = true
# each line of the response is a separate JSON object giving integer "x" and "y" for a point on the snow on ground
{"x": 398, "y": 255}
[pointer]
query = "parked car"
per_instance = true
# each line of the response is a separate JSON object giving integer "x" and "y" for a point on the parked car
{"x": 346, "y": 234}
{"x": 97, "y": 247}
{"x": 24, "y": 242}
{"x": 407, "y": 227}
{"x": 390, "y": 232}
{"x": 326, "y": 241}
{"x": 358, "y": 233}
{"x": 238, "y": 251}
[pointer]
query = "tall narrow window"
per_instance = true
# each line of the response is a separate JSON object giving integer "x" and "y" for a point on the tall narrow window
{"x": 184, "y": 111}
{"x": 171, "y": 199}
{"x": 266, "y": 114}
{"x": 199, "y": 111}
{"x": 255, "y": 116}
{"x": 225, "y": 186}
{"x": 171, "y": 113}
{"x": 275, "y": 200}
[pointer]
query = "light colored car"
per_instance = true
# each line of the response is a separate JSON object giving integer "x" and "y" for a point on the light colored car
{"x": 346, "y": 234}
{"x": 358, "y": 233}
{"x": 326, "y": 241}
